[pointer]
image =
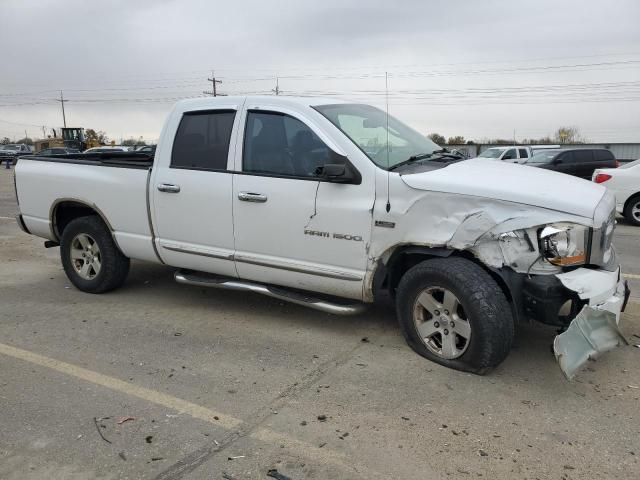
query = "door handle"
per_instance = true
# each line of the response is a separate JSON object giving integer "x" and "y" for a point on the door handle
{"x": 252, "y": 197}
{"x": 169, "y": 188}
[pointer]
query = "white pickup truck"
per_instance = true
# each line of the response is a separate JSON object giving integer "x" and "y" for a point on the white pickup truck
{"x": 331, "y": 204}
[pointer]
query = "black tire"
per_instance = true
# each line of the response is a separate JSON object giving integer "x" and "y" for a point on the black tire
{"x": 633, "y": 202}
{"x": 114, "y": 265}
{"x": 485, "y": 305}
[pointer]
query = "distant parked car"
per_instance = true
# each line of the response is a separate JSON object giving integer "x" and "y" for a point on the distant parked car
{"x": 513, "y": 154}
{"x": 579, "y": 162}
{"x": 12, "y": 151}
{"x": 104, "y": 149}
{"x": 624, "y": 182}
{"x": 57, "y": 151}
{"x": 150, "y": 149}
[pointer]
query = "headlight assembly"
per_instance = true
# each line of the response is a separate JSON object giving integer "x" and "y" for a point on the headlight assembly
{"x": 564, "y": 244}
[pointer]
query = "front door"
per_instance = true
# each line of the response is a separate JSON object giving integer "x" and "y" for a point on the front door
{"x": 192, "y": 190}
{"x": 291, "y": 228}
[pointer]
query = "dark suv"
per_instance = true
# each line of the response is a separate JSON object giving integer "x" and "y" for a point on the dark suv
{"x": 580, "y": 162}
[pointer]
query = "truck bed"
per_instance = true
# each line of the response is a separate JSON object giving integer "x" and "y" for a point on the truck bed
{"x": 105, "y": 159}
{"x": 113, "y": 184}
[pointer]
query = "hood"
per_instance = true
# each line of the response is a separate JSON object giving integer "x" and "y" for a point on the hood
{"x": 512, "y": 183}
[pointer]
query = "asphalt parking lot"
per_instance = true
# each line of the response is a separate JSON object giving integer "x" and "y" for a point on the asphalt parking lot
{"x": 160, "y": 380}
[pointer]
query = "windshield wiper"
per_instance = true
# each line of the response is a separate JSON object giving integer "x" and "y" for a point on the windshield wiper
{"x": 411, "y": 159}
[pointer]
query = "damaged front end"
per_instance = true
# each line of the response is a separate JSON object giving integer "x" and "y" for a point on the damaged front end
{"x": 559, "y": 267}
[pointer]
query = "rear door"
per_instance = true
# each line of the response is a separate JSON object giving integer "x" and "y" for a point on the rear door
{"x": 523, "y": 155}
{"x": 191, "y": 192}
{"x": 584, "y": 163}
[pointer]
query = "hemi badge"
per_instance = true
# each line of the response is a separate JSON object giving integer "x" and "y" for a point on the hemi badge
{"x": 380, "y": 223}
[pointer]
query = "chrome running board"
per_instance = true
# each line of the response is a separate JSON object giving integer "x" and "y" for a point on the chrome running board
{"x": 281, "y": 293}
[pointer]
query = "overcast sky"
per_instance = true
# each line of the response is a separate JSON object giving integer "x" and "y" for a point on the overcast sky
{"x": 482, "y": 69}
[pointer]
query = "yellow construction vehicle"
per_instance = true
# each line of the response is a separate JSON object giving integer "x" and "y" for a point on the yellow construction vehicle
{"x": 69, "y": 138}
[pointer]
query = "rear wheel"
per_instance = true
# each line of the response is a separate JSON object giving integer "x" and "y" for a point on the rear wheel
{"x": 454, "y": 313}
{"x": 90, "y": 257}
{"x": 632, "y": 210}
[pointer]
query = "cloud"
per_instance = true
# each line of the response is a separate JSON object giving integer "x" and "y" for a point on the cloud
{"x": 121, "y": 62}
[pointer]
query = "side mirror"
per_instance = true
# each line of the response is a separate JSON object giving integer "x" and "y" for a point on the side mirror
{"x": 334, "y": 172}
{"x": 556, "y": 161}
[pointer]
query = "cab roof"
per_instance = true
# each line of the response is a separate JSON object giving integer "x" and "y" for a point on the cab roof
{"x": 274, "y": 100}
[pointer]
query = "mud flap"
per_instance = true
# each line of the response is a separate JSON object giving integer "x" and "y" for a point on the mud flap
{"x": 592, "y": 332}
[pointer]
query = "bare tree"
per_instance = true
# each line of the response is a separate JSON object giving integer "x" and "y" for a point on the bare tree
{"x": 565, "y": 135}
{"x": 437, "y": 138}
{"x": 96, "y": 136}
{"x": 457, "y": 140}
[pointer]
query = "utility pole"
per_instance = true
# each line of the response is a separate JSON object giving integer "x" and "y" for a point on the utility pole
{"x": 277, "y": 90}
{"x": 62, "y": 100}
{"x": 213, "y": 81}
{"x": 44, "y": 132}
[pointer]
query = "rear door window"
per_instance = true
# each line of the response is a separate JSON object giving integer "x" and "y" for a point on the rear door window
{"x": 523, "y": 153}
{"x": 202, "y": 140}
{"x": 583, "y": 156}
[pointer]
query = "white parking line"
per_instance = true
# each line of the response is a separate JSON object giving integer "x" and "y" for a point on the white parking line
{"x": 312, "y": 452}
{"x": 8, "y": 218}
{"x": 632, "y": 276}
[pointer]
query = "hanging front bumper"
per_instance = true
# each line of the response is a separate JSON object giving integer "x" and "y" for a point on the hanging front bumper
{"x": 595, "y": 329}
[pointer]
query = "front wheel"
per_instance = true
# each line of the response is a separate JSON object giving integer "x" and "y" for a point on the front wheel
{"x": 453, "y": 312}
{"x": 90, "y": 257}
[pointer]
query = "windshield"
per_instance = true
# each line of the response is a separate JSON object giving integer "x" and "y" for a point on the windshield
{"x": 366, "y": 126}
{"x": 11, "y": 147}
{"x": 543, "y": 157}
{"x": 492, "y": 153}
{"x": 630, "y": 164}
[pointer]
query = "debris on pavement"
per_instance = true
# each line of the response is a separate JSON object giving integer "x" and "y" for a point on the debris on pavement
{"x": 148, "y": 438}
{"x": 482, "y": 453}
{"x": 236, "y": 457}
{"x": 121, "y": 420}
{"x": 98, "y": 425}
{"x": 365, "y": 340}
{"x": 274, "y": 473}
{"x": 122, "y": 456}
{"x": 228, "y": 476}
{"x": 155, "y": 459}
{"x": 322, "y": 418}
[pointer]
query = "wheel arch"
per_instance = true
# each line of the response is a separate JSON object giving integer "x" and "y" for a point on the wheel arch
{"x": 64, "y": 210}
{"x": 387, "y": 274}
